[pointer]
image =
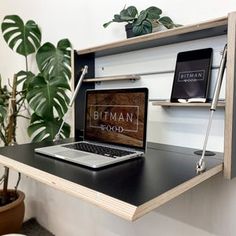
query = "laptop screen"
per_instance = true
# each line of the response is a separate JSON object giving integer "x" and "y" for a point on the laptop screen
{"x": 117, "y": 116}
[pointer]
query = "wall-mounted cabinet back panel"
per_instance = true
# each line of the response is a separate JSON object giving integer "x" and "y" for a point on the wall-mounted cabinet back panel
{"x": 197, "y": 32}
{"x": 156, "y": 66}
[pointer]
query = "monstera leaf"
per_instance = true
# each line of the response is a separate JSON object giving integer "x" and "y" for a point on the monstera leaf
{"x": 48, "y": 95}
{"x": 46, "y": 92}
{"x": 43, "y": 129}
{"x": 24, "y": 77}
{"x": 22, "y": 38}
{"x": 55, "y": 61}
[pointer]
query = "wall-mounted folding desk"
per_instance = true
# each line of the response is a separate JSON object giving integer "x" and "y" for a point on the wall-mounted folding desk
{"x": 129, "y": 189}
{"x": 136, "y": 187}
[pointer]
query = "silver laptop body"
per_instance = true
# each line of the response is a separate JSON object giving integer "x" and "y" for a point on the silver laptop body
{"x": 116, "y": 121}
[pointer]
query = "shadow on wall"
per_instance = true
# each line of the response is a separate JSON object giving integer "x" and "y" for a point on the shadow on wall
{"x": 210, "y": 206}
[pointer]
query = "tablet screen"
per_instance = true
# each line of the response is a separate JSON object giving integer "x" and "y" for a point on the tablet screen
{"x": 192, "y": 72}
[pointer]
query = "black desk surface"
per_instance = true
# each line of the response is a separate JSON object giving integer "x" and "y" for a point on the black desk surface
{"x": 135, "y": 181}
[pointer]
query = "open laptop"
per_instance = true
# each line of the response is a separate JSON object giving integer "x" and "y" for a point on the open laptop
{"x": 115, "y": 129}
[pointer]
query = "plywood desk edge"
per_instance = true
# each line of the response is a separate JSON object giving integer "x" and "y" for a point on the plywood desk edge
{"x": 115, "y": 206}
{"x": 174, "y": 192}
{"x": 120, "y": 208}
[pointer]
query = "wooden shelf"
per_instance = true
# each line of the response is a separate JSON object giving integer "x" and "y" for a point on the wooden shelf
{"x": 112, "y": 78}
{"x": 205, "y": 29}
{"x": 176, "y": 104}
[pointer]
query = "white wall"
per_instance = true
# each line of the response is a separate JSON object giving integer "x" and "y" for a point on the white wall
{"x": 208, "y": 209}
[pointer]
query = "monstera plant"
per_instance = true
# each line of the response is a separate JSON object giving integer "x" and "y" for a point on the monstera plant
{"x": 46, "y": 90}
{"x": 42, "y": 93}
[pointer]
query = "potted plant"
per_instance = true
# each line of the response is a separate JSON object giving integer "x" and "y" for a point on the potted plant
{"x": 143, "y": 22}
{"x": 45, "y": 93}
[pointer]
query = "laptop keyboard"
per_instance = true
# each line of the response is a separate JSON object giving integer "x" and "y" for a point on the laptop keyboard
{"x": 101, "y": 150}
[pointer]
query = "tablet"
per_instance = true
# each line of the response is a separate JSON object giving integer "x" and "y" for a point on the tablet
{"x": 192, "y": 76}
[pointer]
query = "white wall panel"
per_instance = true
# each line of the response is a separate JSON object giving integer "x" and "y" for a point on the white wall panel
{"x": 168, "y": 125}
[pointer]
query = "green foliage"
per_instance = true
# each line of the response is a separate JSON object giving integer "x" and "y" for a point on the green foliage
{"x": 46, "y": 94}
{"x": 126, "y": 15}
{"x": 22, "y": 38}
{"x": 4, "y": 102}
{"x": 144, "y": 21}
{"x": 46, "y": 91}
{"x": 167, "y": 22}
{"x": 144, "y": 28}
{"x": 46, "y": 129}
{"x": 55, "y": 61}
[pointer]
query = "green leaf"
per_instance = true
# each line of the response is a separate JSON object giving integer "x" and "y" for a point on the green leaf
{"x": 167, "y": 22}
{"x": 48, "y": 95}
{"x": 55, "y": 61}
{"x": 3, "y": 112}
{"x": 128, "y": 14}
{"x": 132, "y": 11}
{"x": 47, "y": 91}
{"x": 46, "y": 129}
{"x": 144, "y": 28}
{"x": 2, "y": 137}
{"x": 117, "y": 18}
{"x": 125, "y": 17}
{"x": 24, "y": 76}
{"x": 153, "y": 13}
{"x": 142, "y": 16}
{"x": 177, "y": 25}
{"x": 22, "y": 38}
{"x": 108, "y": 23}
{"x": 4, "y": 101}
{"x": 4, "y": 98}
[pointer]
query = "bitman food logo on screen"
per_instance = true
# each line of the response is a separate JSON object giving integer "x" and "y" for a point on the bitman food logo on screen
{"x": 114, "y": 118}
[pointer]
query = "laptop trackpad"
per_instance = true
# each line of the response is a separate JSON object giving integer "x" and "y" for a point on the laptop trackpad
{"x": 71, "y": 154}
